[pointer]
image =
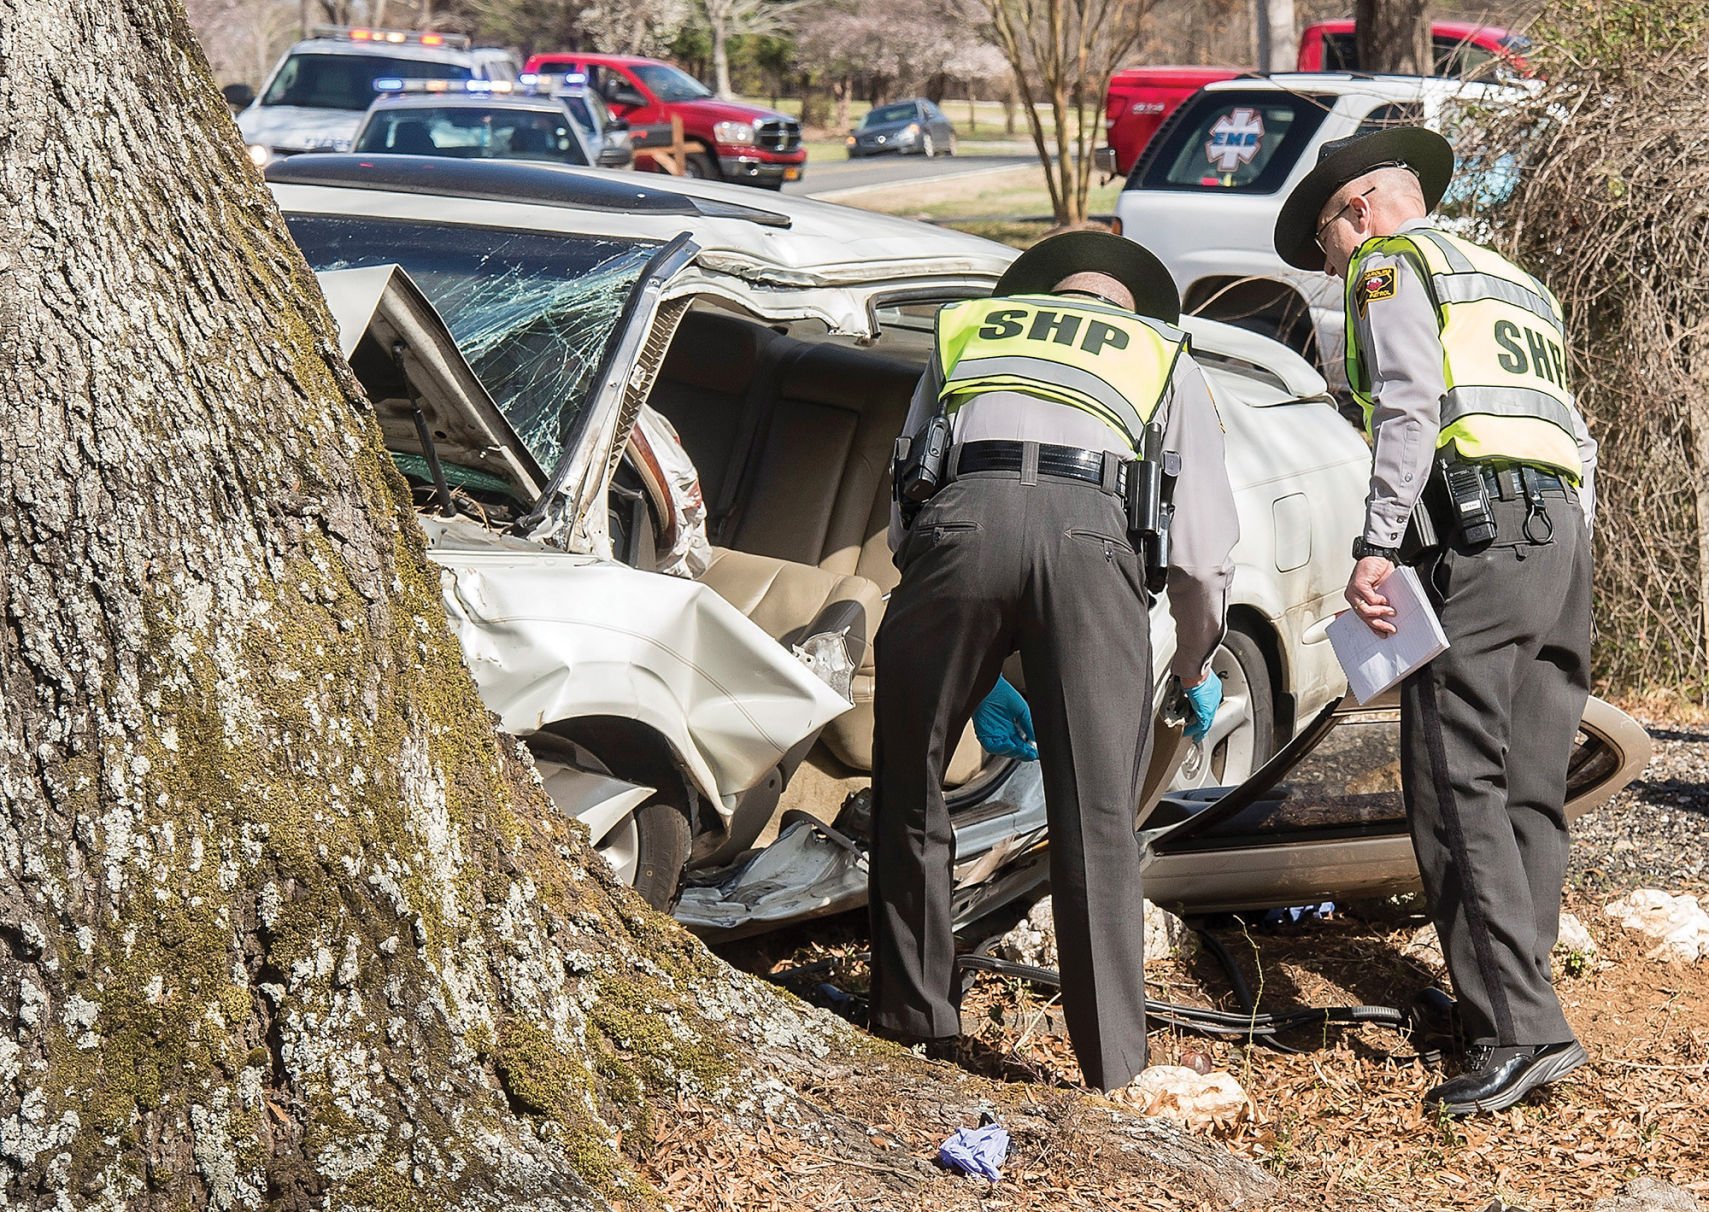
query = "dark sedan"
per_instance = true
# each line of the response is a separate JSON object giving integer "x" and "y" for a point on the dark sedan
{"x": 904, "y": 127}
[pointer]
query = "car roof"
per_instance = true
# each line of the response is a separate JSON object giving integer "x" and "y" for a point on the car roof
{"x": 1358, "y": 84}
{"x": 826, "y": 242}
{"x": 387, "y": 50}
{"x": 590, "y": 57}
{"x": 450, "y": 100}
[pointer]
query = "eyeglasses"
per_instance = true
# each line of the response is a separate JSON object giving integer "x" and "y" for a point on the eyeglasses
{"x": 1324, "y": 226}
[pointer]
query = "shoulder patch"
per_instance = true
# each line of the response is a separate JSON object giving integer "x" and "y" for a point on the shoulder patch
{"x": 1375, "y": 285}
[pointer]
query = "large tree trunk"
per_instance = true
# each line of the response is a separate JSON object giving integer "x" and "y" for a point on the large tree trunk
{"x": 1393, "y": 36}
{"x": 287, "y": 923}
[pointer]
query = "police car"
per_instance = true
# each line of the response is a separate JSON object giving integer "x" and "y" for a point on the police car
{"x": 1205, "y": 193}
{"x": 535, "y": 315}
{"x": 317, "y": 94}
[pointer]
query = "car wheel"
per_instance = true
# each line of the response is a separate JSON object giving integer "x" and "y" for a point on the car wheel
{"x": 647, "y": 848}
{"x": 928, "y": 148}
{"x": 699, "y": 165}
{"x": 1243, "y": 737}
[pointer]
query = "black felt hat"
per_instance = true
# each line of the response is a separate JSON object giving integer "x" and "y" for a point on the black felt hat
{"x": 1041, "y": 267}
{"x": 1339, "y": 161}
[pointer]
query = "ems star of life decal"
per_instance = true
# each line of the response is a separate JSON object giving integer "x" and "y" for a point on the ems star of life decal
{"x": 1235, "y": 139}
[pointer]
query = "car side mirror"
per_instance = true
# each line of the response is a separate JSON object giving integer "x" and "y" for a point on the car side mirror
{"x": 618, "y": 93}
{"x": 238, "y": 96}
{"x": 1104, "y": 160}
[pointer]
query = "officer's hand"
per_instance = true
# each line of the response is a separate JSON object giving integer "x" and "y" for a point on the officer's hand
{"x": 1364, "y": 596}
{"x": 1004, "y": 723}
{"x": 1202, "y": 701}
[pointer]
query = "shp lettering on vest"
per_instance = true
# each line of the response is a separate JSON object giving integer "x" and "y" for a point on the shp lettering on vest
{"x": 1504, "y": 354}
{"x": 1104, "y": 361}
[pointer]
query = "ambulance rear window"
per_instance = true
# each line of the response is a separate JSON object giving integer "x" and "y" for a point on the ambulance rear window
{"x": 1234, "y": 140}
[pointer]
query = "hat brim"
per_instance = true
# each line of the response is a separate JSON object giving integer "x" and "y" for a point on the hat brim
{"x": 1424, "y": 151}
{"x": 1041, "y": 267}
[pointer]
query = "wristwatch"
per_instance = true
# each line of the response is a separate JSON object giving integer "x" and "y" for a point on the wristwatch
{"x": 1362, "y": 550}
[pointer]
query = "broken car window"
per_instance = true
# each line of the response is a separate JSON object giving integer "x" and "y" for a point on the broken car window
{"x": 533, "y": 314}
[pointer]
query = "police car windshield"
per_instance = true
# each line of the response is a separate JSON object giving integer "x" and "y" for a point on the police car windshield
{"x": 669, "y": 83}
{"x": 1245, "y": 141}
{"x": 534, "y": 315}
{"x": 323, "y": 81}
{"x": 474, "y": 133}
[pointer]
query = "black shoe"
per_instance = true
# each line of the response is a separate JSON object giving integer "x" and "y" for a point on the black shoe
{"x": 935, "y": 1047}
{"x": 1499, "y": 1077}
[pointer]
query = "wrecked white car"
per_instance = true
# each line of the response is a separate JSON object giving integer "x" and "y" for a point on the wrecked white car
{"x": 512, "y": 321}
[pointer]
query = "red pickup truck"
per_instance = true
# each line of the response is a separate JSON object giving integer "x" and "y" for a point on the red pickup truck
{"x": 726, "y": 140}
{"x": 1140, "y": 98}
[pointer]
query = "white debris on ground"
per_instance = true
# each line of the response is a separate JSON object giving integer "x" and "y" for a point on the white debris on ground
{"x": 1033, "y": 939}
{"x": 1198, "y": 1100}
{"x": 1648, "y": 1195}
{"x": 1575, "y": 938}
{"x": 1426, "y": 948}
{"x": 1679, "y": 922}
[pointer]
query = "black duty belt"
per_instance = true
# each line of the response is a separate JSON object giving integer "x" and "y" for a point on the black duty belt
{"x": 1517, "y": 481}
{"x": 1102, "y": 469}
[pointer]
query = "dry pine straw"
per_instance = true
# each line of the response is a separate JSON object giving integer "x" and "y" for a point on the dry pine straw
{"x": 1340, "y": 1123}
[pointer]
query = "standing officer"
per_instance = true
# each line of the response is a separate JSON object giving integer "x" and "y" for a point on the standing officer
{"x": 1458, "y": 358}
{"x": 1048, "y": 389}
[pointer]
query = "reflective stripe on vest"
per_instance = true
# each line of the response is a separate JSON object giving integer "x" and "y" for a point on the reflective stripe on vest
{"x": 1503, "y": 351}
{"x": 1102, "y": 360}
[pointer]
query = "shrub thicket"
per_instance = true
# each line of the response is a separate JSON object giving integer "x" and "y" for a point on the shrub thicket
{"x": 1612, "y": 210}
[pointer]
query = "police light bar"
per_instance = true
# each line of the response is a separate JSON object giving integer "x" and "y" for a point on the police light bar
{"x": 395, "y": 37}
{"x": 553, "y": 82}
{"x": 484, "y": 88}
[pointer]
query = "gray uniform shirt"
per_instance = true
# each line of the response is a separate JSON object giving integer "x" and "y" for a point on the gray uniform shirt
{"x": 1206, "y": 526}
{"x": 1400, "y": 344}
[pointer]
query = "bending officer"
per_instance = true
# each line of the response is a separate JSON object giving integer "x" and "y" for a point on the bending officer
{"x": 1048, "y": 392}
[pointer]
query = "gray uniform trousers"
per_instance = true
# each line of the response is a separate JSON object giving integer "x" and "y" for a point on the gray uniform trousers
{"x": 993, "y": 564}
{"x": 1486, "y": 732}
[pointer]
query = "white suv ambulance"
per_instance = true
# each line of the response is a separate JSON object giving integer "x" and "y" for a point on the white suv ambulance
{"x": 1205, "y": 193}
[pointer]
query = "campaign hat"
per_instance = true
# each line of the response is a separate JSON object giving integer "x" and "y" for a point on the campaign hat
{"x": 1041, "y": 267}
{"x": 1339, "y": 161}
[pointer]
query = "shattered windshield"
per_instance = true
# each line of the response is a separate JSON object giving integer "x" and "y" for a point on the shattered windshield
{"x": 533, "y": 314}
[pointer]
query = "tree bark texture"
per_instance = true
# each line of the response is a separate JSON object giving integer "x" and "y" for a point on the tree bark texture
{"x": 1393, "y": 36}
{"x": 286, "y": 922}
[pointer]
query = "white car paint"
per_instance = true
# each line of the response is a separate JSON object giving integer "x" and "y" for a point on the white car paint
{"x": 1206, "y": 235}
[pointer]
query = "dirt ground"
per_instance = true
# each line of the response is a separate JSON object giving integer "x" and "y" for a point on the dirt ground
{"x": 1336, "y": 1119}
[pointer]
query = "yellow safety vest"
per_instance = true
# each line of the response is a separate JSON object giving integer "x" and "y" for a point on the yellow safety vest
{"x": 1504, "y": 354}
{"x": 1102, "y": 360}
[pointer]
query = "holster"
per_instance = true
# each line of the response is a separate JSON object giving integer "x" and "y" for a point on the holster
{"x": 1149, "y": 495}
{"x": 919, "y": 466}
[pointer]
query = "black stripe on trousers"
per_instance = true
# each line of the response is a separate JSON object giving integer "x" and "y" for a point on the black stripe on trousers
{"x": 1449, "y": 808}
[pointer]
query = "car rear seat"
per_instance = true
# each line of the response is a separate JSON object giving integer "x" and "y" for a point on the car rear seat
{"x": 793, "y": 444}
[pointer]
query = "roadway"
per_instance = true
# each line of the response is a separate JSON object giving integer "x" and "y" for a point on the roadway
{"x": 833, "y": 180}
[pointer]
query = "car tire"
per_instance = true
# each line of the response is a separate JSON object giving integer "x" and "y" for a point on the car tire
{"x": 1244, "y": 735}
{"x": 648, "y": 848}
{"x": 700, "y": 166}
{"x": 928, "y": 148}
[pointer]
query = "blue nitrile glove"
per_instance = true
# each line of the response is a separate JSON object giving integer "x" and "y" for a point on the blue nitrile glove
{"x": 1004, "y": 723}
{"x": 1203, "y": 700}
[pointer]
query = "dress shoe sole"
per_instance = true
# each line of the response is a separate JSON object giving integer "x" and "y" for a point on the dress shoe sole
{"x": 1546, "y": 1070}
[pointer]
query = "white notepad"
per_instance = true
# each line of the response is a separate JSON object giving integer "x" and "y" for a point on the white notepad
{"x": 1373, "y": 662}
